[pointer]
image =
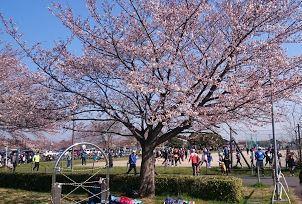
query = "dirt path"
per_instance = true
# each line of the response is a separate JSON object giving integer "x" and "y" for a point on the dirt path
{"x": 185, "y": 163}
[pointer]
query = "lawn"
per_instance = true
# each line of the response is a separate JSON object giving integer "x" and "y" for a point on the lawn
{"x": 251, "y": 194}
{"x": 47, "y": 167}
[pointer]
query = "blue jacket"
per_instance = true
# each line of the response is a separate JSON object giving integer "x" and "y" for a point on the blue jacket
{"x": 132, "y": 159}
{"x": 259, "y": 155}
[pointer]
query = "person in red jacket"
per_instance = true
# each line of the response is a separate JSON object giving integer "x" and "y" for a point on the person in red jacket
{"x": 194, "y": 158}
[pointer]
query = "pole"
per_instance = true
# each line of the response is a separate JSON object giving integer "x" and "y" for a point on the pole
{"x": 299, "y": 141}
{"x": 6, "y": 151}
{"x": 231, "y": 149}
{"x": 296, "y": 140}
{"x": 72, "y": 141}
{"x": 276, "y": 176}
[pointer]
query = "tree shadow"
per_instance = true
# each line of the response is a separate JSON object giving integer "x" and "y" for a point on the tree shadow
{"x": 246, "y": 198}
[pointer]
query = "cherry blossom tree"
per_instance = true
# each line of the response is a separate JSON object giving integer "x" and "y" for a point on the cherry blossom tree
{"x": 24, "y": 106}
{"x": 104, "y": 133}
{"x": 161, "y": 67}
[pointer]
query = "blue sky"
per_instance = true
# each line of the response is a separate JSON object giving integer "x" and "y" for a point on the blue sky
{"x": 37, "y": 24}
{"x": 36, "y": 21}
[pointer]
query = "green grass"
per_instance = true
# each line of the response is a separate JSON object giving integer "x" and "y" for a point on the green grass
{"x": 251, "y": 195}
{"x": 47, "y": 167}
{"x": 260, "y": 185}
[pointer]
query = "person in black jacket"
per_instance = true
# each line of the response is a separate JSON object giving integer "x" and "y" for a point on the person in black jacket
{"x": 227, "y": 163}
{"x": 291, "y": 164}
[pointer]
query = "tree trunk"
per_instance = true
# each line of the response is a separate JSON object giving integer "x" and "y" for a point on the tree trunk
{"x": 147, "y": 184}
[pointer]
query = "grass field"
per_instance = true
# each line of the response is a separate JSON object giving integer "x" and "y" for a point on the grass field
{"x": 47, "y": 167}
{"x": 251, "y": 194}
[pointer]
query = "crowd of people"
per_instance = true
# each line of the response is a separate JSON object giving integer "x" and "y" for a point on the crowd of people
{"x": 258, "y": 156}
{"x": 175, "y": 156}
{"x": 198, "y": 158}
{"x": 22, "y": 158}
{"x": 14, "y": 159}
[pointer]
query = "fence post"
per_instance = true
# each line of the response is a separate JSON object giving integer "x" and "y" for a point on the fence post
{"x": 56, "y": 193}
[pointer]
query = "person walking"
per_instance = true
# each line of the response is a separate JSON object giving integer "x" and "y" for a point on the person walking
{"x": 268, "y": 157}
{"x": 14, "y": 160}
{"x": 110, "y": 159}
{"x": 165, "y": 156}
{"x": 210, "y": 159}
{"x": 220, "y": 155}
{"x": 181, "y": 154}
{"x": 227, "y": 163}
{"x": 252, "y": 156}
{"x": 287, "y": 156}
{"x": 226, "y": 152}
{"x": 176, "y": 156}
{"x": 194, "y": 158}
{"x": 259, "y": 156}
{"x": 291, "y": 164}
{"x": 279, "y": 155}
{"x": 36, "y": 160}
{"x": 83, "y": 157}
{"x": 186, "y": 153}
{"x": 132, "y": 162}
{"x": 68, "y": 158}
{"x": 170, "y": 157}
{"x": 238, "y": 159}
{"x": 204, "y": 157}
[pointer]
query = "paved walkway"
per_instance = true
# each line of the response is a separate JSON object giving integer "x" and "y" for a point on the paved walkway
{"x": 293, "y": 182}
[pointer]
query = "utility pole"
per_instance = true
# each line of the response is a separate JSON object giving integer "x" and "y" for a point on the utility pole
{"x": 6, "y": 154}
{"x": 231, "y": 148}
{"x": 72, "y": 141}
{"x": 277, "y": 194}
{"x": 299, "y": 144}
{"x": 276, "y": 167}
{"x": 296, "y": 139}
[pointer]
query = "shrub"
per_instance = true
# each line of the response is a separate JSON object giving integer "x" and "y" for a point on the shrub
{"x": 204, "y": 187}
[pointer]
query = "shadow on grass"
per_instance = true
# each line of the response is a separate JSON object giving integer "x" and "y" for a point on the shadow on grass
{"x": 246, "y": 198}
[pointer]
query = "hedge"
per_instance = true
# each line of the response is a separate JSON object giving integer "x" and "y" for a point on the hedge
{"x": 205, "y": 187}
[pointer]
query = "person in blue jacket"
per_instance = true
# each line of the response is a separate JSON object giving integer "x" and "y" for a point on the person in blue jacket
{"x": 132, "y": 162}
{"x": 259, "y": 156}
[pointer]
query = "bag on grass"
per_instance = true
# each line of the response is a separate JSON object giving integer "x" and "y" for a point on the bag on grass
{"x": 137, "y": 201}
{"x": 125, "y": 200}
{"x": 170, "y": 201}
{"x": 114, "y": 199}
